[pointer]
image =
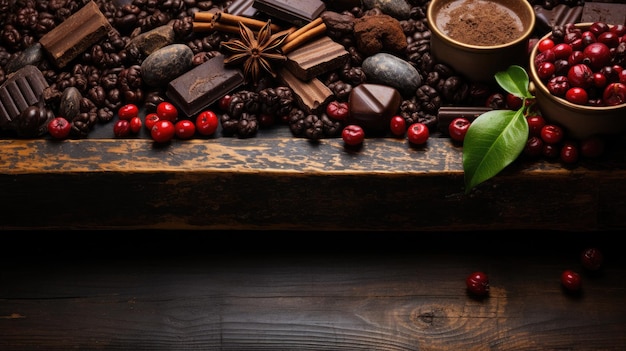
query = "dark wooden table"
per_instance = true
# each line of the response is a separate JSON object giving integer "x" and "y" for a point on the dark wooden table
{"x": 250, "y": 290}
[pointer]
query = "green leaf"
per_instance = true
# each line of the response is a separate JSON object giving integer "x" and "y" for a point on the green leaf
{"x": 515, "y": 81}
{"x": 493, "y": 141}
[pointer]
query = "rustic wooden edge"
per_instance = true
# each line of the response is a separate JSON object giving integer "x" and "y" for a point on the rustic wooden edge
{"x": 282, "y": 182}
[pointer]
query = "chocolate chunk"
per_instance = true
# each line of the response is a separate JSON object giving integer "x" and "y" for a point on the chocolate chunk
{"x": 372, "y": 106}
{"x": 604, "y": 12}
{"x": 311, "y": 95}
{"x": 296, "y": 12}
{"x": 317, "y": 57}
{"x": 242, "y": 8}
{"x": 557, "y": 16}
{"x": 203, "y": 85}
{"x": 22, "y": 89}
{"x": 76, "y": 34}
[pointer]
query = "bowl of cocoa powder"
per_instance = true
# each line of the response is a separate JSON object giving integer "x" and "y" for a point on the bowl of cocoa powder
{"x": 478, "y": 38}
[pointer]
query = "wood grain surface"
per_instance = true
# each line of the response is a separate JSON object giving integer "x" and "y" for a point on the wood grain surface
{"x": 160, "y": 290}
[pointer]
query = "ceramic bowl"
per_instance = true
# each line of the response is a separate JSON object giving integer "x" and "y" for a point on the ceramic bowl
{"x": 580, "y": 121}
{"x": 479, "y": 63}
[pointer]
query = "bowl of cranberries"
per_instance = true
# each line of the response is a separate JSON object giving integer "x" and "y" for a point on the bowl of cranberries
{"x": 578, "y": 76}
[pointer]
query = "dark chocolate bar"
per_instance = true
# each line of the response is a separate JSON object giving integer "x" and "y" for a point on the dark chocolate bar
{"x": 557, "y": 16}
{"x": 372, "y": 106}
{"x": 22, "y": 89}
{"x": 296, "y": 12}
{"x": 312, "y": 95}
{"x": 242, "y": 8}
{"x": 604, "y": 12}
{"x": 75, "y": 34}
{"x": 317, "y": 57}
{"x": 201, "y": 86}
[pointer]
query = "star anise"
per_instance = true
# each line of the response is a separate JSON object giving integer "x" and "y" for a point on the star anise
{"x": 257, "y": 53}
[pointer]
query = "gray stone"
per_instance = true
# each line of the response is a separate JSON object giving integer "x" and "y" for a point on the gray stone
{"x": 390, "y": 70}
{"x": 165, "y": 64}
{"x": 400, "y": 9}
{"x": 151, "y": 41}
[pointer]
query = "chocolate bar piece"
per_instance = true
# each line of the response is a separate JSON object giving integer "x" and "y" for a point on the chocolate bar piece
{"x": 296, "y": 12}
{"x": 311, "y": 95}
{"x": 204, "y": 84}
{"x": 75, "y": 34}
{"x": 372, "y": 106}
{"x": 22, "y": 89}
{"x": 317, "y": 57}
{"x": 242, "y": 8}
{"x": 557, "y": 16}
{"x": 447, "y": 114}
{"x": 604, "y": 12}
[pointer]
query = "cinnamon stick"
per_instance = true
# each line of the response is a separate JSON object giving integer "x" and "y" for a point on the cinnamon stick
{"x": 210, "y": 26}
{"x": 230, "y": 19}
{"x": 303, "y": 29}
{"x": 302, "y": 37}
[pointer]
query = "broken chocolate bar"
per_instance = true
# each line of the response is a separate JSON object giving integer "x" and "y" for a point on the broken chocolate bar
{"x": 242, "y": 8}
{"x": 201, "y": 86}
{"x": 559, "y": 15}
{"x": 311, "y": 95}
{"x": 317, "y": 57}
{"x": 296, "y": 12}
{"x": 22, "y": 89}
{"x": 75, "y": 34}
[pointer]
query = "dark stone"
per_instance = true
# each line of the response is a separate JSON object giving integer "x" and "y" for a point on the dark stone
{"x": 387, "y": 69}
{"x": 165, "y": 64}
{"x": 153, "y": 40}
{"x": 399, "y": 9}
{"x": 69, "y": 107}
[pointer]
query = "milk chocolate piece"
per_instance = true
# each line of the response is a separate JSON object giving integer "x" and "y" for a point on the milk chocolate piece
{"x": 557, "y": 16}
{"x": 242, "y": 8}
{"x": 311, "y": 95}
{"x": 372, "y": 106}
{"x": 76, "y": 34}
{"x": 201, "y": 86}
{"x": 604, "y": 12}
{"x": 447, "y": 114}
{"x": 317, "y": 57}
{"x": 297, "y": 12}
{"x": 22, "y": 89}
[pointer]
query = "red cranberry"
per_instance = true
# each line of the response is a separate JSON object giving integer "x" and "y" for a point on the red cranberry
{"x": 418, "y": 133}
{"x": 338, "y": 110}
{"x": 569, "y": 152}
{"x": 609, "y": 38}
{"x": 545, "y": 44}
{"x": 614, "y": 94}
{"x": 477, "y": 283}
{"x": 571, "y": 280}
{"x": 592, "y": 258}
{"x": 353, "y": 135}
{"x": 598, "y": 28}
{"x": 397, "y": 126}
{"x": 580, "y": 75}
{"x": 545, "y": 70}
{"x": 558, "y": 86}
{"x": 514, "y": 102}
{"x": 552, "y": 134}
{"x": 535, "y": 123}
{"x": 598, "y": 54}
{"x": 550, "y": 151}
{"x": 534, "y": 147}
{"x": 458, "y": 128}
{"x": 562, "y": 50}
{"x": 577, "y": 95}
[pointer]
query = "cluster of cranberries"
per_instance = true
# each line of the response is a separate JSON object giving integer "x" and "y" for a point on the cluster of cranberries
{"x": 584, "y": 66}
{"x": 591, "y": 258}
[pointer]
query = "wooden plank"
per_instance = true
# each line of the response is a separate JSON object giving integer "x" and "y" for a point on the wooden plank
{"x": 281, "y": 182}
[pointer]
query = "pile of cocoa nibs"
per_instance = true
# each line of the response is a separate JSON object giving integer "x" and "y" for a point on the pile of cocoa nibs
{"x": 108, "y": 75}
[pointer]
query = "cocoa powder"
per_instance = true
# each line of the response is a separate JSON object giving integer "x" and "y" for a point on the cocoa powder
{"x": 481, "y": 22}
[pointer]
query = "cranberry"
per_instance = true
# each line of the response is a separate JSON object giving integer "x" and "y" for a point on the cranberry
{"x": 598, "y": 28}
{"x": 550, "y": 151}
{"x": 418, "y": 133}
{"x": 535, "y": 123}
{"x": 609, "y": 38}
{"x": 599, "y": 80}
{"x": 458, "y": 128}
{"x": 588, "y": 37}
{"x": 163, "y": 131}
{"x": 577, "y": 95}
{"x": 135, "y": 125}
{"x": 397, "y": 125}
{"x": 224, "y": 102}
{"x": 580, "y": 75}
{"x": 558, "y": 86}
{"x": 534, "y": 146}
{"x": 545, "y": 70}
{"x": 151, "y": 119}
{"x": 598, "y": 55}
{"x": 167, "y": 111}
{"x": 571, "y": 280}
{"x": 592, "y": 258}
{"x": 551, "y": 134}
{"x": 569, "y": 152}
{"x": 515, "y": 102}
{"x": 59, "y": 128}
{"x": 562, "y": 50}
{"x": 575, "y": 58}
{"x": 545, "y": 44}
{"x": 207, "y": 122}
{"x": 592, "y": 147}
{"x": 477, "y": 283}
{"x": 614, "y": 94}
{"x": 619, "y": 29}
{"x": 338, "y": 110}
{"x": 185, "y": 129}
{"x": 353, "y": 135}
{"x": 128, "y": 111}
{"x": 121, "y": 128}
